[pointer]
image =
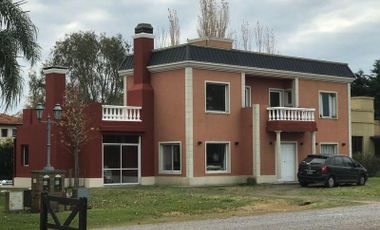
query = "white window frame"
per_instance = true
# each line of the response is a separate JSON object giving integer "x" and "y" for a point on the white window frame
{"x": 138, "y": 145}
{"x": 321, "y": 106}
{"x": 247, "y": 98}
{"x": 227, "y": 158}
{"x": 286, "y": 95}
{"x": 160, "y": 158}
{"x": 278, "y": 90}
{"x": 226, "y": 95}
{"x": 23, "y": 156}
{"x": 329, "y": 143}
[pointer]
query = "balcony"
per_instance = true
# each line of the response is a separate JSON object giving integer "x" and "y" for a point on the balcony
{"x": 290, "y": 114}
{"x": 289, "y": 119}
{"x": 121, "y": 113}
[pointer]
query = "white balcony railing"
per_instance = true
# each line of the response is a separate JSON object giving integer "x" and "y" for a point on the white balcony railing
{"x": 290, "y": 114}
{"x": 121, "y": 113}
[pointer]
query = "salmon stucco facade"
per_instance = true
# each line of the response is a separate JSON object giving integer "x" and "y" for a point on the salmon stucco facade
{"x": 203, "y": 113}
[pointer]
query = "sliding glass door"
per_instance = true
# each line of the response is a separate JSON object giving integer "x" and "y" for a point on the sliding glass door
{"x": 121, "y": 163}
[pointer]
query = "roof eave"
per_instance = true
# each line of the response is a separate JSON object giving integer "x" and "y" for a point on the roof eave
{"x": 247, "y": 70}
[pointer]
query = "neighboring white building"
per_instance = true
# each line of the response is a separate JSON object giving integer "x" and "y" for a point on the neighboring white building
{"x": 8, "y": 126}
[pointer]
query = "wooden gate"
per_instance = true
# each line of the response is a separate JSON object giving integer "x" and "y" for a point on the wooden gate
{"x": 79, "y": 206}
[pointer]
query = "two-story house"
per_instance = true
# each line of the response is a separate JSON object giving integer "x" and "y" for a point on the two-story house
{"x": 203, "y": 113}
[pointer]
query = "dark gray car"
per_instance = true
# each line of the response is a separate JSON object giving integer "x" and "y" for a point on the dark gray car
{"x": 331, "y": 170}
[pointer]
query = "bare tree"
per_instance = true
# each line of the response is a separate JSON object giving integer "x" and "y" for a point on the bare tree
{"x": 74, "y": 126}
{"x": 161, "y": 38}
{"x": 214, "y": 19}
{"x": 246, "y": 36}
{"x": 174, "y": 28}
{"x": 265, "y": 39}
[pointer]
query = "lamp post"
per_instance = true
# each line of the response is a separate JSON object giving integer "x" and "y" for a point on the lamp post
{"x": 57, "y": 110}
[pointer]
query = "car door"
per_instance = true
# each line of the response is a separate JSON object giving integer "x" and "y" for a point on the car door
{"x": 357, "y": 170}
{"x": 339, "y": 170}
{"x": 350, "y": 175}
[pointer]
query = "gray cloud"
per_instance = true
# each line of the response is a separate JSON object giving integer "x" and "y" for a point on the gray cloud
{"x": 344, "y": 31}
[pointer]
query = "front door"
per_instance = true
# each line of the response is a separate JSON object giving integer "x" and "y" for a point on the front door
{"x": 288, "y": 161}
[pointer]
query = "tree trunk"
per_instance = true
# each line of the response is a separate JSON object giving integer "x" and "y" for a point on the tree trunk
{"x": 76, "y": 168}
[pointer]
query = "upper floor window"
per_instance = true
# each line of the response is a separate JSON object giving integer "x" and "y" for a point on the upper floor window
{"x": 327, "y": 105}
{"x": 4, "y": 132}
{"x": 280, "y": 97}
{"x": 217, "y": 97}
{"x": 276, "y": 98}
{"x": 247, "y": 96}
{"x": 13, "y": 132}
{"x": 288, "y": 98}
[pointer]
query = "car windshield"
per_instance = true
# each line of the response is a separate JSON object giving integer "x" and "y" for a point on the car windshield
{"x": 315, "y": 160}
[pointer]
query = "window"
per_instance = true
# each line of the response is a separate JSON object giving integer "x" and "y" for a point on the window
{"x": 25, "y": 155}
{"x": 338, "y": 161}
{"x": 327, "y": 105}
{"x": 170, "y": 158}
{"x": 217, "y": 157}
{"x": 13, "y": 132}
{"x": 288, "y": 100}
{"x": 276, "y": 97}
{"x": 329, "y": 149}
{"x": 120, "y": 163}
{"x": 347, "y": 162}
{"x": 217, "y": 97}
{"x": 357, "y": 144}
{"x": 4, "y": 132}
{"x": 247, "y": 96}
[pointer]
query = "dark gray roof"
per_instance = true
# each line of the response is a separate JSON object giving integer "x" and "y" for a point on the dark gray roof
{"x": 242, "y": 58}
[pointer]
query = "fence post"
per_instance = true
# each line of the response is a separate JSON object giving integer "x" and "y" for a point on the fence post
{"x": 43, "y": 212}
{"x": 83, "y": 213}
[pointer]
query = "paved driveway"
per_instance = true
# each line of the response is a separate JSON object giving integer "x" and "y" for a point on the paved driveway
{"x": 356, "y": 217}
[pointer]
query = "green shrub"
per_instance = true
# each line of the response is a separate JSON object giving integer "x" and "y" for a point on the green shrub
{"x": 370, "y": 161}
{"x": 6, "y": 159}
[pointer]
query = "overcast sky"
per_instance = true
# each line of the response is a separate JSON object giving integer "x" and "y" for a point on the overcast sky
{"x": 337, "y": 30}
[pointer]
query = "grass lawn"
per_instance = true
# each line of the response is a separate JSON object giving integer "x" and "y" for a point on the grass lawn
{"x": 149, "y": 204}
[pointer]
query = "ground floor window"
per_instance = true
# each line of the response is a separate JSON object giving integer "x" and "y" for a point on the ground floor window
{"x": 217, "y": 157}
{"x": 120, "y": 163}
{"x": 357, "y": 144}
{"x": 25, "y": 155}
{"x": 170, "y": 157}
{"x": 329, "y": 149}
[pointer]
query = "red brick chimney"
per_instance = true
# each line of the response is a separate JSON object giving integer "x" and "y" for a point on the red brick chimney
{"x": 55, "y": 86}
{"x": 141, "y": 93}
{"x": 143, "y": 46}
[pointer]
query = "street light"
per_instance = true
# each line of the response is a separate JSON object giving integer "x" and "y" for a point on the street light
{"x": 57, "y": 115}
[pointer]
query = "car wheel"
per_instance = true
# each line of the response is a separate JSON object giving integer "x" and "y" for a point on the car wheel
{"x": 362, "y": 180}
{"x": 303, "y": 183}
{"x": 330, "y": 182}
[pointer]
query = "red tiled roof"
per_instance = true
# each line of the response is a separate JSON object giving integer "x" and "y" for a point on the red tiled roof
{"x": 9, "y": 120}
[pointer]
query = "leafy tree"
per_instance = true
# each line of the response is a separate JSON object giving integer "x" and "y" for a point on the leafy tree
{"x": 93, "y": 62}
{"x": 6, "y": 159}
{"x": 368, "y": 85}
{"x": 361, "y": 85}
{"x": 36, "y": 89}
{"x": 18, "y": 37}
